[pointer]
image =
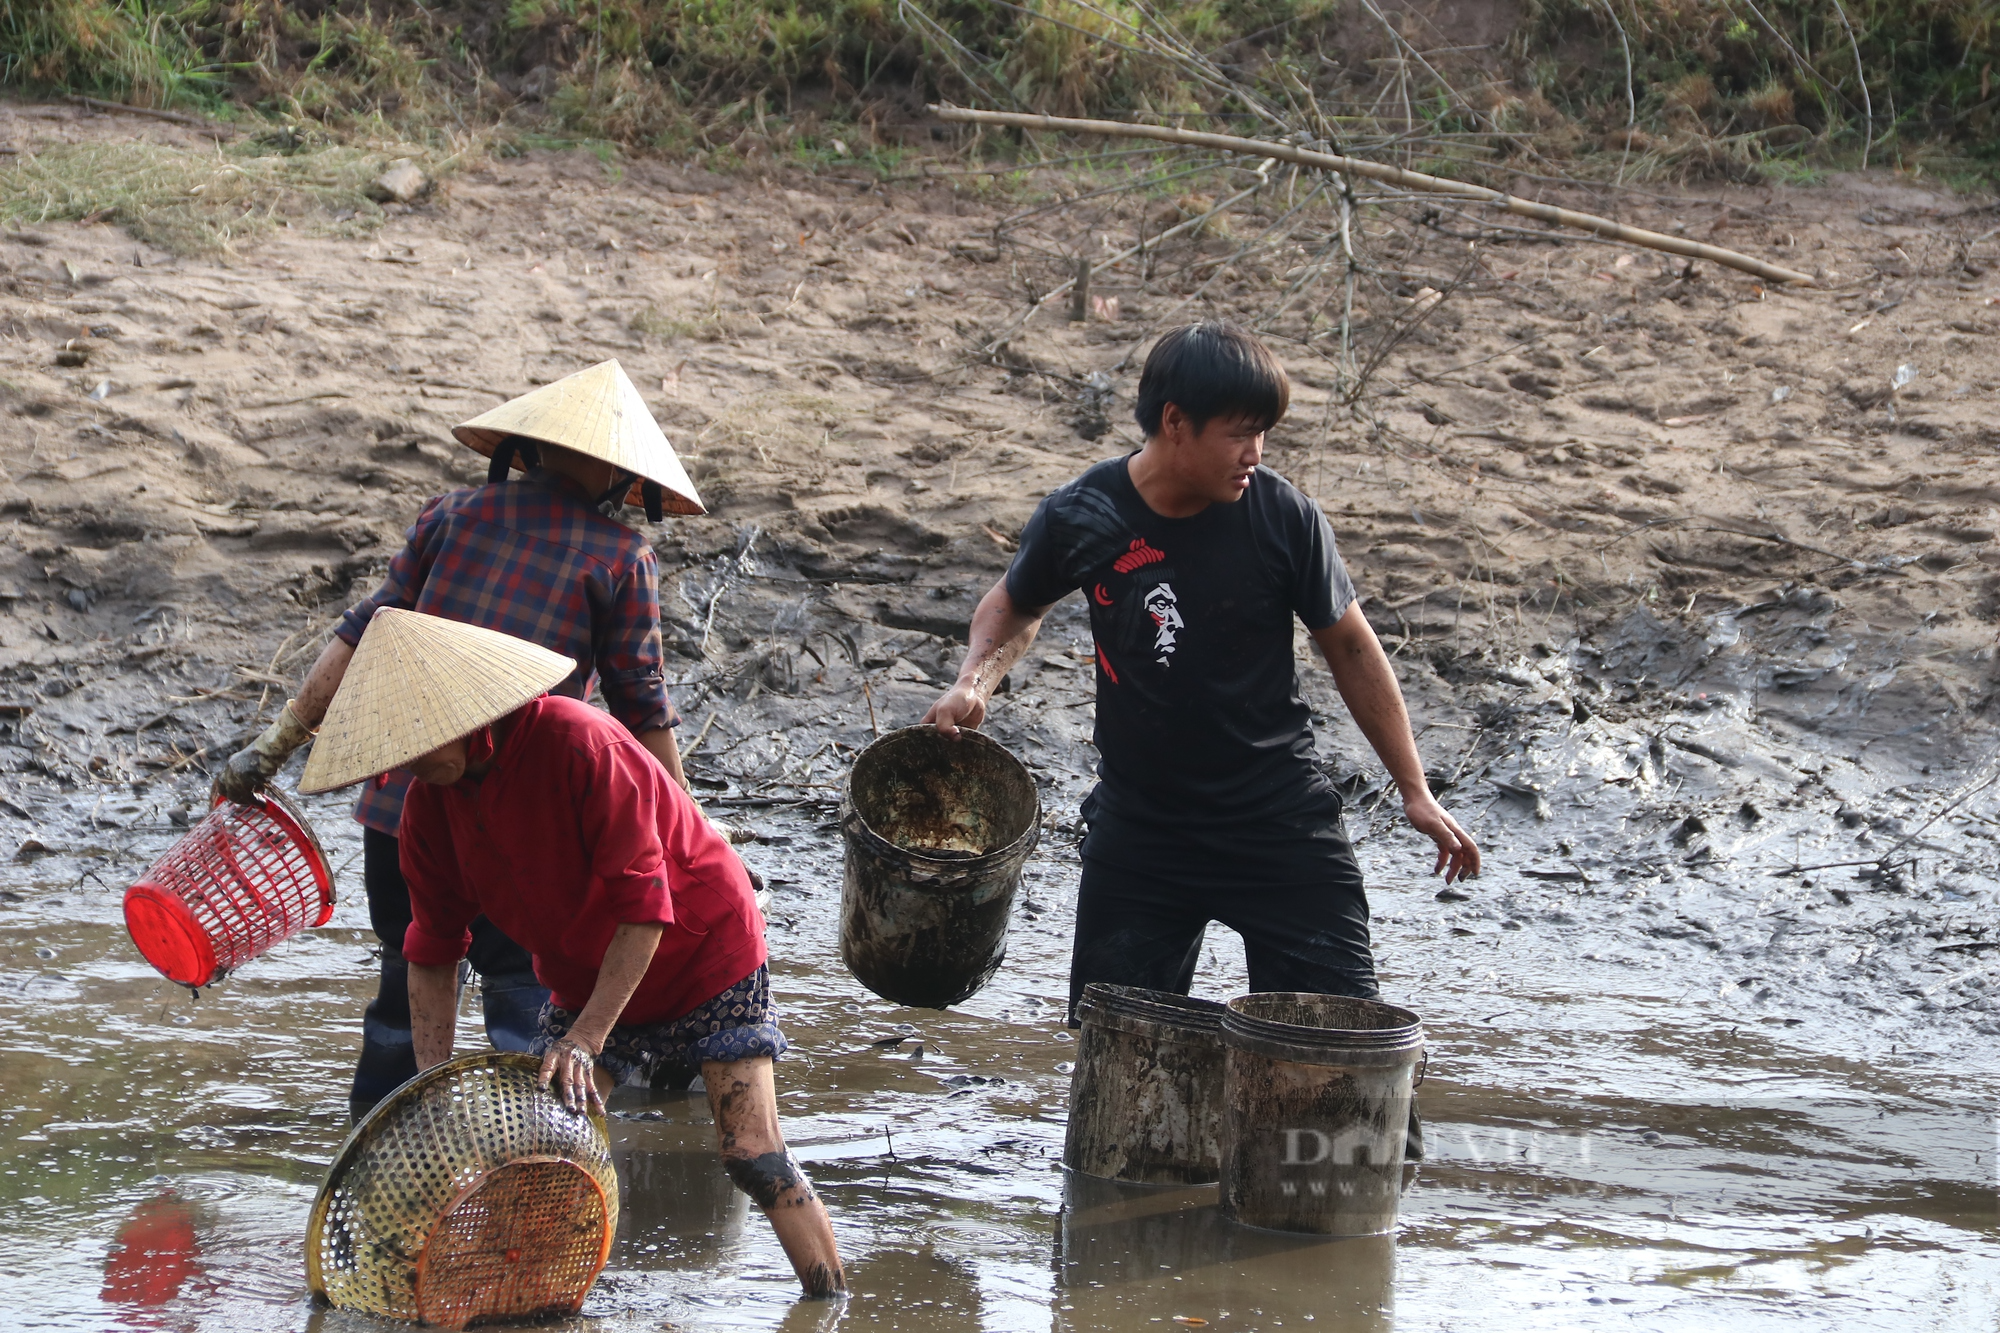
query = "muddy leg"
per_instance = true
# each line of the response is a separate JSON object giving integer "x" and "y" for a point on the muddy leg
{"x": 744, "y": 1099}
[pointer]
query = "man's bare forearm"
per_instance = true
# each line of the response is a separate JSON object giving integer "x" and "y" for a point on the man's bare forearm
{"x": 433, "y": 1011}
{"x": 1367, "y": 685}
{"x": 1000, "y": 633}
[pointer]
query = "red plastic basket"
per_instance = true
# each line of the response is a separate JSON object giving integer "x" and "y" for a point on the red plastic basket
{"x": 242, "y": 880}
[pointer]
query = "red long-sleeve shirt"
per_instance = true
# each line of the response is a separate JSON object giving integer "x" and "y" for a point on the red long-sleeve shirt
{"x": 575, "y": 831}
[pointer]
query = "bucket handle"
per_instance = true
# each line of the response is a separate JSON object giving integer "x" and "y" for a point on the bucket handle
{"x": 1423, "y": 1067}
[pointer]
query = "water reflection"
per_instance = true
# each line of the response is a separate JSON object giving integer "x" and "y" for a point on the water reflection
{"x": 678, "y": 1209}
{"x": 902, "y": 1290}
{"x": 156, "y": 1253}
{"x": 1130, "y": 1254}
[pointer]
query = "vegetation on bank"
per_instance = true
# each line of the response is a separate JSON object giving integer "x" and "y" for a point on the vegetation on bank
{"x": 1654, "y": 86}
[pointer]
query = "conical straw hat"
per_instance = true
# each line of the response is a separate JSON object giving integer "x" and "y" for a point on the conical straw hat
{"x": 596, "y": 412}
{"x": 418, "y": 682}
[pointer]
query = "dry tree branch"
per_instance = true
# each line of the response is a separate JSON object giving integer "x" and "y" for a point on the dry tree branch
{"x": 1860, "y": 77}
{"x": 1169, "y": 47}
{"x": 1411, "y": 180}
{"x": 1396, "y": 38}
{"x": 948, "y": 46}
{"x": 1280, "y": 231}
{"x": 1310, "y": 274}
{"x": 999, "y": 340}
{"x": 1631, "y": 98}
{"x": 1400, "y": 329}
{"x": 1807, "y": 65}
{"x": 1167, "y": 42}
{"x": 1353, "y": 267}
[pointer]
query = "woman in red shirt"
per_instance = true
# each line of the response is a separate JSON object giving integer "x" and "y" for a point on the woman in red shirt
{"x": 548, "y": 817}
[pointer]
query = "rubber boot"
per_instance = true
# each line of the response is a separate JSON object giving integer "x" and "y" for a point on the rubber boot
{"x": 388, "y": 1052}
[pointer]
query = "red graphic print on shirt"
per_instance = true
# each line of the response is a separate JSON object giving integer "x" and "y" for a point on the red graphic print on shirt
{"x": 1139, "y": 554}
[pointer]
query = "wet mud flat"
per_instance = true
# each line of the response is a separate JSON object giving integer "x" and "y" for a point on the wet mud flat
{"x": 1694, "y": 606}
{"x": 1671, "y": 1081}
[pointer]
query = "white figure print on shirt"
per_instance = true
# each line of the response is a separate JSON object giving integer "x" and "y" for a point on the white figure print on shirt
{"x": 1164, "y": 608}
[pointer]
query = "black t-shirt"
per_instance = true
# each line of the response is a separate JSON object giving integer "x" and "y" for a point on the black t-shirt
{"x": 1205, "y": 744}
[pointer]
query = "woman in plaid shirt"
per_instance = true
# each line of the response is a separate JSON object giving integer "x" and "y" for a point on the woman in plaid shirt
{"x": 536, "y": 558}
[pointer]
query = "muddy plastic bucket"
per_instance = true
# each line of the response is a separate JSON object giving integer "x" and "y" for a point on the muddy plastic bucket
{"x": 1145, "y": 1102}
{"x": 1316, "y": 1109}
{"x": 242, "y": 880}
{"x": 937, "y": 830}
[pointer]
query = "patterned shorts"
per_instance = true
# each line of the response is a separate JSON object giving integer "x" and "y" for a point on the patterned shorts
{"x": 735, "y": 1025}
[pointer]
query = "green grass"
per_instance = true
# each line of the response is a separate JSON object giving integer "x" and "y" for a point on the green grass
{"x": 1792, "y": 171}
{"x": 696, "y": 76}
{"x": 192, "y": 202}
{"x": 1927, "y": 68}
{"x": 650, "y": 323}
{"x": 115, "y": 48}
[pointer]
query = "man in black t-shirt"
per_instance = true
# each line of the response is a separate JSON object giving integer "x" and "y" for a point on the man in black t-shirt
{"x": 1210, "y": 805}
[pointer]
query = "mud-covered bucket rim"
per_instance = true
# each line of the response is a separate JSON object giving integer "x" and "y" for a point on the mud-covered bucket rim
{"x": 1150, "y": 1013}
{"x": 1398, "y": 1037}
{"x": 941, "y": 867}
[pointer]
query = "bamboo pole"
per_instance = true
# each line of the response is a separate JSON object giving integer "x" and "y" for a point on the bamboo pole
{"x": 1409, "y": 180}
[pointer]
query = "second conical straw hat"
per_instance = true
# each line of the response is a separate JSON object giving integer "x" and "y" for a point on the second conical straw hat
{"x": 597, "y": 412}
{"x": 417, "y": 682}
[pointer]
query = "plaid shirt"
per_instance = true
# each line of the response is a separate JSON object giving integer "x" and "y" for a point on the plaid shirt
{"x": 532, "y": 558}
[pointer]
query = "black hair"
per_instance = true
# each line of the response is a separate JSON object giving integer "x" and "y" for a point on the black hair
{"x": 1208, "y": 370}
{"x": 501, "y": 459}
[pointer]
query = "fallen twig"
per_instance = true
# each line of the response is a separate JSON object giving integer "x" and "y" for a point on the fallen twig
{"x": 202, "y": 753}
{"x": 1880, "y": 862}
{"x": 868, "y": 693}
{"x": 294, "y": 402}
{"x": 1982, "y": 778}
{"x": 1949, "y": 982}
{"x": 700, "y": 736}
{"x": 1410, "y": 180}
{"x": 1777, "y": 540}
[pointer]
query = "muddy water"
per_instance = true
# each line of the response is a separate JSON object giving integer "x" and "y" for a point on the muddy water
{"x": 1609, "y": 1150}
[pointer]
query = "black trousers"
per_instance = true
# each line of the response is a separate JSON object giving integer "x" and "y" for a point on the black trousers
{"x": 1136, "y": 929}
{"x": 1140, "y": 929}
{"x": 509, "y": 993}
